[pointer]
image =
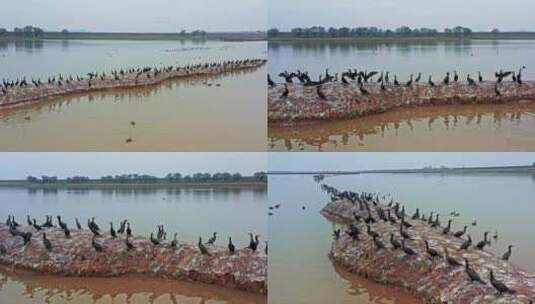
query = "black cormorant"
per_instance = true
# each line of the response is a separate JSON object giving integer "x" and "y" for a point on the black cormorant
{"x": 507, "y": 254}
{"x": 472, "y": 274}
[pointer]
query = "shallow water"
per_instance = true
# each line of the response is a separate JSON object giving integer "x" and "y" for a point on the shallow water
{"x": 180, "y": 115}
{"x": 300, "y": 270}
{"x": 191, "y": 212}
{"x": 508, "y": 127}
{"x": 403, "y": 59}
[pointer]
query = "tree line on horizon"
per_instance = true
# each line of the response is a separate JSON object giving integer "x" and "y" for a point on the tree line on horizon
{"x": 402, "y": 31}
{"x": 145, "y": 178}
{"x": 31, "y": 31}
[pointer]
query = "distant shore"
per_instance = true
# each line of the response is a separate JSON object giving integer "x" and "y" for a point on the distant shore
{"x": 225, "y": 36}
{"x": 248, "y": 183}
{"x": 529, "y": 169}
{"x": 288, "y": 37}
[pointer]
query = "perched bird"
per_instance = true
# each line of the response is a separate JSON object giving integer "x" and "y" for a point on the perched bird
{"x": 129, "y": 245}
{"x": 96, "y": 245}
{"x": 47, "y": 243}
{"x": 174, "y": 242}
{"x": 211, "y": 240}
{"x": 499, "y": 285}
{"x": 432, "y": 252}
{"x": 231, "y": 247}
{"x": 451, "y": 261}
{"x": 472, "y": 274}
{"x": 202, "y": 248}
{"x": 112, "y": 231}
{"x": 507, "y": 254}
{"x": 466, "y": 243}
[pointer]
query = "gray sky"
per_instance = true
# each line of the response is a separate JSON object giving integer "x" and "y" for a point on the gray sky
{"x": 477, "y": 14}
{"x": 136, "y": 15}
{"x": 377, "y": 160}
{"x": 20, "y": 165}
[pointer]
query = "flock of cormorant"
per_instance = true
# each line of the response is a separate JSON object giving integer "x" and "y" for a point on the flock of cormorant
{"x": 363, "y": 76}
{"x": 135, "y": 74}
{"x": 400, "y": 223}
{"x": 124, "y": 228}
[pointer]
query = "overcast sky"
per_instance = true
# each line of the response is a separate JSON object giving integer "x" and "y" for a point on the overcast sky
{"x": 476, "y": 14}
{"x": 136, "y": 15}
{"x": 377, "y": 160}
{"x": 20, "y": 165}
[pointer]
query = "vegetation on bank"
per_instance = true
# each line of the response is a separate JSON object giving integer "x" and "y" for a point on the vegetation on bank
{"x": 31, "y": 32}
{"x": 403, "y": 32}
{"x": 145, "y": 179}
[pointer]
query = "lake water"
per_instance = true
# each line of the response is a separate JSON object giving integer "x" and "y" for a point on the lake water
{"x": 179, "y": 115}
{"x": 403, "y": 59}
{"x": 191, "y": 212}
{"x": 300, "y": 270}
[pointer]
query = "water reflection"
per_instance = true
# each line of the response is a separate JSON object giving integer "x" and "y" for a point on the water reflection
{"x": 467, "y": 127}
{"x": 28, "y": 287}
{"x": 403, "y": 57}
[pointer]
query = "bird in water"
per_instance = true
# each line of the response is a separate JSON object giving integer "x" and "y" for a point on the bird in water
{"x": 472, "y": 274}
{"x": 451, "y": 261}
{"x": 432, "y": 252}
{"x": 266, "y": 248}
{"x": 484, "y": 242}
{"x": 128, "y": 230}
{"x": 479, "y": 77}
{"x": 460, "y": 233}
{"x": 507, "y": 254}
{"x": 466, "y": 244}
{"x": 499, "y": 285}
{"x": 455, "y": 76}
{"x": 96, "y": 245}
{"x": 202, "y": 248}
{"x": 211, "y": 240}
{"x": 47, "y": 243}
{"x": 231, "y": 247}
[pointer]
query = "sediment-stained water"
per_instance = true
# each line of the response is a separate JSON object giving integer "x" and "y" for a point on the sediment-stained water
{"x": 506, "y": 127}
{"x": 191, "y": 212}
{"x": 407, "y": 129}
{"x": 213, "y": 113}
{"x": 300, "y": 270}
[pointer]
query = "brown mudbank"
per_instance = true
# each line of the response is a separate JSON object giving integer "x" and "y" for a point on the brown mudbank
{"x": 431, "y": 279}
{"x": 244, "y": 270}
{"x": 18, "y": 96}
{"x": 344, "y": 101}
